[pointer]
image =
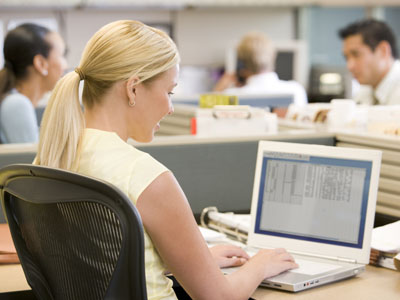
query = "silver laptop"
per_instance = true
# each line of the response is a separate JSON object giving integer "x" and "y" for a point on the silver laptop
{"x": 318, "y": 202}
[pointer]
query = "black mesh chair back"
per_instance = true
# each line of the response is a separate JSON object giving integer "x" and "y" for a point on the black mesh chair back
{"x": 76, "y": 237}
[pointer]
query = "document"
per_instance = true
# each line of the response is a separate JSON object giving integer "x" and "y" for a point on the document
{"x": 317, "y": 200}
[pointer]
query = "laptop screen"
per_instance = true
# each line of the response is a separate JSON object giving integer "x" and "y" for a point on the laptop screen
{"x": 313, "y": 198}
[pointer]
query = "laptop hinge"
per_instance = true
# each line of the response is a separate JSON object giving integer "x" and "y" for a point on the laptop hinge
{"x": 347, "y": 260}
{"x": 335, "y": 258}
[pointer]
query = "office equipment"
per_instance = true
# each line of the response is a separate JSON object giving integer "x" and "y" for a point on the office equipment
{"x": 186, "y": 110}
{"x": 76, "y": 237}
{"x": 234, "y": 120}
{"x": 317, "y": 202}
{"x": 329, "y": 82}
{"x": 236, "y": 226}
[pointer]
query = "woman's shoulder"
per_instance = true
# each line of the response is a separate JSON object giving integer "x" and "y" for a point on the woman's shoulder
{"x": 16, "y": 100}
{"x": 112, "y": 146}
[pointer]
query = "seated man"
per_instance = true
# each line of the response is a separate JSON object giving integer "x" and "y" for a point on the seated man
{"x": 255, "y": 71}
{"x": 369, "y": 47}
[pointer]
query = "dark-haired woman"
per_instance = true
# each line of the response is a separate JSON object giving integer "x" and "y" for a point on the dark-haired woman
{"x": 33, "y": 62}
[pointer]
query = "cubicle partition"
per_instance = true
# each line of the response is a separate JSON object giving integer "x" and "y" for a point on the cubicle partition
{"x": 13, "y": 154}
{"x": 220, "y": 172}
{"x": 388, "y": 203}
{"x": 211, "y": 171}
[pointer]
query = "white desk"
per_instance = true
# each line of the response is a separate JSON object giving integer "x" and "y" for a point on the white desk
{"x": 374, "y": 283}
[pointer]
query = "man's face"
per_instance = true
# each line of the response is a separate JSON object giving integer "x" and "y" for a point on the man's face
{"x": 362, "y": 62}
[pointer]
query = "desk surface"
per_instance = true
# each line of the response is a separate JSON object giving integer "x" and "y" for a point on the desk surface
{"x": 374, "y": 283}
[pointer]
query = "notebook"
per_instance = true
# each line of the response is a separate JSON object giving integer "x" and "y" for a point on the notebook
{"x": 318, "y": 202}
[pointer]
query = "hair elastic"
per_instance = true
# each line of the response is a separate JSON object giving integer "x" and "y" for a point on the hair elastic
{"x": 80, "y": 73}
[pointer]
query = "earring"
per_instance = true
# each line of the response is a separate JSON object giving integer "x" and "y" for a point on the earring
{"x": 45, "y": 72}
{"x": 131, "y": 104}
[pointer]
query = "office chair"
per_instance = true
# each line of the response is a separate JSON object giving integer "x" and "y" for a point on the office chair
{"x": 76, "y": 237}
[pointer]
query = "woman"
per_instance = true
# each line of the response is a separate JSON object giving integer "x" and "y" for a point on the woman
{"x": 34, "y": 61}
{"x": 129, "y": 72}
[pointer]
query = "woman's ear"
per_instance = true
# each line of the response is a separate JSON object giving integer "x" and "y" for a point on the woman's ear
{"x": 40, "y": 64}
{"x": 131, "y": 89}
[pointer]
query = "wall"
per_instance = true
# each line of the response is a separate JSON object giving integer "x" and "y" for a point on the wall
{"x": 82, "y": 24}
{"x": 205, "y": 29}
{"x": 321, "y": 30}
{"x": 392, "y": 15}
{"x": 204, "y": 34}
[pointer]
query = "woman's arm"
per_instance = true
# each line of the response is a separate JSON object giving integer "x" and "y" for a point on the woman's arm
{"x": 169, "y": 221}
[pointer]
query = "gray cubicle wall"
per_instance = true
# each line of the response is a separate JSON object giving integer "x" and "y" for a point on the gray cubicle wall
{"x": 14, "y": 158}
{"x": 217, "y": 174}
{"x": 211, "y": 174}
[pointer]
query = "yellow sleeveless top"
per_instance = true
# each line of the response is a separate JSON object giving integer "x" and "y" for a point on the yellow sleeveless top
{"x": 106, "y": 156}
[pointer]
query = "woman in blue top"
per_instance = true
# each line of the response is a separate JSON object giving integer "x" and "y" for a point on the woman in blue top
{"x": 33, "y": 62}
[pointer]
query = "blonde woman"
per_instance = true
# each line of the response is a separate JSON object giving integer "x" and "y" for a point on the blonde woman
{"x": 129, "y": 72}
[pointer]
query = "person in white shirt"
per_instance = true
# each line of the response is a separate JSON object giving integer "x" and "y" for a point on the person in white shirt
{"x": 255, "y": 71}
{"x": 369, "y": 47}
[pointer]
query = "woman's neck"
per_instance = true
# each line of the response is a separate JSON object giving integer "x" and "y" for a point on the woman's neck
{"x": 32, "y": 89}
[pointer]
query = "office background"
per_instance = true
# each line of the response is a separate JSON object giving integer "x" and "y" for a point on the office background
{"x": 204, "y": 30}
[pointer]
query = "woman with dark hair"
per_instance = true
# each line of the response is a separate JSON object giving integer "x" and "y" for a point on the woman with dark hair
{"x": 33, "y": 62}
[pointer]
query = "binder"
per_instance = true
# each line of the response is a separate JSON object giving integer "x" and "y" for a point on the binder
{"x": 235, "y": 226}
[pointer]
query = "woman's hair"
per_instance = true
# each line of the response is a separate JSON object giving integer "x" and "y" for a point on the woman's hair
{"x": 256, "y": 53}
{"x": 116, "y": 52}
{"x": 21, "y": 45}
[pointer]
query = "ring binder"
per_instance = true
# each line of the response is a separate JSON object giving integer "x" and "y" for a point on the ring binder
{"x": 234, "y": 225}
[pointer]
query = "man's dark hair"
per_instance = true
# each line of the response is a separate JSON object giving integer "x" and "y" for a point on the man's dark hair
{"x": 373, "y": 32}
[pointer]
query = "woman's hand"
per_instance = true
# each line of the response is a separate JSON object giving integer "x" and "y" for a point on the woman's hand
{"x": 228, "y": 255}
{"x": 275, "y": 261}
{"x": 226, "y": 81}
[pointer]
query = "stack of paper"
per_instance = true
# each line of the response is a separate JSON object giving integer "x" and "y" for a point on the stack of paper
{"x": 387, "y": 240}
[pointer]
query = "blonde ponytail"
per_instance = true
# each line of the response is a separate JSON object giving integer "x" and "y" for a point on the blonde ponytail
{"x": 62, "y": 126}
{"x": 116, "y": 52}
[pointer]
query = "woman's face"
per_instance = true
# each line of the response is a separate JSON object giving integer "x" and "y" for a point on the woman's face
{"x": 56, "y": 60}
{"x": 153, "y": 102}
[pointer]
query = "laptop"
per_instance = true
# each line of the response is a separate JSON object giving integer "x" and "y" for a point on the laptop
{"x": 318, "y": 202}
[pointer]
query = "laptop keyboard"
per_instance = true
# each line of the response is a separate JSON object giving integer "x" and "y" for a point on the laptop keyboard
{"x": 307, "y": 267}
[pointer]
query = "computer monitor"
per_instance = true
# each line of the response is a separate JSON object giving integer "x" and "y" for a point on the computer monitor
{"x": 292, "y": 61}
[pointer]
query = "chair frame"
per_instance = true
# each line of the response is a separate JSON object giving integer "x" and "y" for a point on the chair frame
{"x": 41, "y": 185}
